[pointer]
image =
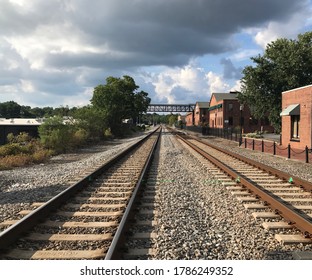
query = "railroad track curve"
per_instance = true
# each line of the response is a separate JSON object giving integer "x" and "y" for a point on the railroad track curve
{"x": 89, "y": 219}
{"x": 281, "y": 200}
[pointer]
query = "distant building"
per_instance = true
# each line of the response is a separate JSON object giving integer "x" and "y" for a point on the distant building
{"x": 297, "y": 117}
{"x": 189, "y": 119}
{"x": 201, "y": 113}
{"x": 225, "y": 111}
{"x": 17, "y": 126}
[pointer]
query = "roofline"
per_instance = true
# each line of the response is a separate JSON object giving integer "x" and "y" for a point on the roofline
{"x": 294, "y": 89}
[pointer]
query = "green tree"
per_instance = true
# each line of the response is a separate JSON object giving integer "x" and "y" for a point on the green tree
{"x": 285, "y": 64}
{"x": 172, "y": 119}
{"x": 91, "y": 120}
{"x": 10, "y": 109}
{"x": 118, "y": 99}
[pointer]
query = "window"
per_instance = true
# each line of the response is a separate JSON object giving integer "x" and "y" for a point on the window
{"x": 295, "y": 123}
{"x": 230, "y": 107}
{"x": 230, "y": 120}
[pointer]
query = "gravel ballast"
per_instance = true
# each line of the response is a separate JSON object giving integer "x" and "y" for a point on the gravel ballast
{"x": 198, "y": 217}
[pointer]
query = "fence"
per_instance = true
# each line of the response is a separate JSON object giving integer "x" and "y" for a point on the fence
{"x": 276, "y": 149}
{"x": 264, "y": 146}
{"x": 226, "y": 133}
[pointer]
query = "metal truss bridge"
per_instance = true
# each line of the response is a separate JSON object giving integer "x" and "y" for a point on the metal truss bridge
{"x": 170, "y": 108}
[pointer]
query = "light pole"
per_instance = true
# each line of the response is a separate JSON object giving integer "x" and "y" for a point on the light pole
{"x": 241, "y": 108}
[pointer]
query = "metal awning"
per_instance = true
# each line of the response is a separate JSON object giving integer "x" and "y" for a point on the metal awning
{"x": 215, "y": 107}
{"x": 291, "y": 110}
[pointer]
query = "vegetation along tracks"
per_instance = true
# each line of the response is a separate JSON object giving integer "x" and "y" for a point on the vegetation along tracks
{"x": 87, "y": 220}
{"x": 280, "y": 199}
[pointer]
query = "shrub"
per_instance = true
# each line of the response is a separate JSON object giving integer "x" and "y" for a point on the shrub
{"x": 41, "y": 155}
{"x": 79, "y": 137}
{"x": 15, "y": 160}
{"x": 13, "y": 149}
{"x": 55, "y": 135}
{"x": 108, "y": 133}
{"x": 253, "y": 135}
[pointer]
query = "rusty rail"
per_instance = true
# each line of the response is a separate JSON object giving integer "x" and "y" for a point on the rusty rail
{"x": 282, "y": 207}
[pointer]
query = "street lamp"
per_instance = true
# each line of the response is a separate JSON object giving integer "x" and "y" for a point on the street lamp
{"x": 241, "y": 108}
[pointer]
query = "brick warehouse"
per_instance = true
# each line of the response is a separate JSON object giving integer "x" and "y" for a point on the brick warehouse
{"x": 297, "y": 117}
{"x": 201, "y": 113}
{"x": 225, "y": 111}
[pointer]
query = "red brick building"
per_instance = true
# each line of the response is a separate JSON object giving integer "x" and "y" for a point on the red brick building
{"x": 225, "y": 111}
{"x": 297, "y": 117}
{"x": 189, "y": 119}
{"x": 201, "y": 115}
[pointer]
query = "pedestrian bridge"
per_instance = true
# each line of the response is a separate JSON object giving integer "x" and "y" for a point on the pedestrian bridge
{"x": 171, "y": 108}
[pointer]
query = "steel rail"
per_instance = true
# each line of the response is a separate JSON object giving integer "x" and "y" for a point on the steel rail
{"x": 114, "y": 251}
{"x": 12, "y": 233}
{"x": 306, "y": 185}
{"x": 282, "y": 207}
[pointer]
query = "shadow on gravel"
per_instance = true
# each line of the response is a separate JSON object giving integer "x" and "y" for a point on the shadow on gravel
{"x": 279, "y": 255}
{"x": 28, "y": 195}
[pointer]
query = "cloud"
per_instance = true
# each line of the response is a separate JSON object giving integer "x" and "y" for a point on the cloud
{"x": 133, "y": 32}
{"x": 282, "y": 29}
{"x": 188, "y": 84}
{"x": 229, "y": 71}
{"x": 181, "y": 85}
{"x": 216, "y": 83}
{"x": 57, "y": 50}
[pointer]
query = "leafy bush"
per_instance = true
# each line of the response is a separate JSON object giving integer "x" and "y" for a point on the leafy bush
{"x": 21, "y": 151}
{"x": 253, "y": 135}
{"x": 55, "y": 135}
{"x": 13, "y": 149}
{"x": 79, "y": 137}
{"x": 108, "y": 134}
{"x": 41, "y": 155}
{"x": 15, "y": 161}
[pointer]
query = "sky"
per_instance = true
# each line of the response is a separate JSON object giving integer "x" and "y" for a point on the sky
{"x": 53, "y": 53}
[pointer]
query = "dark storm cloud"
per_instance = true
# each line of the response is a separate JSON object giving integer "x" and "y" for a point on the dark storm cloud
{"x": 152, "y": 32}
{"x": 169, "y": 32}
{"x": 64, "y": 46}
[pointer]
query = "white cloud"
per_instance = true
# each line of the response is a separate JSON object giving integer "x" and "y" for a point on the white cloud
{"x": 216, "y": 83}
{"x": 285, "y": 29}
{"x": 190, "y": 80}
{"x": 187, "y": 84}
{"x": 237, "y": 86}
{"x": 27, "y": 86}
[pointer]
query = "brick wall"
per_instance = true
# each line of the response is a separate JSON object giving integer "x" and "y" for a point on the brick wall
{"x": 189, "y": 119}
{"x": 302, "y": 96}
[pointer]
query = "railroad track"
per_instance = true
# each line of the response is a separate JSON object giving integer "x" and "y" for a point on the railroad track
{"x": 282, "y": 201}
{"x": 89, "y": 219}
{"x": 143, "y": 229}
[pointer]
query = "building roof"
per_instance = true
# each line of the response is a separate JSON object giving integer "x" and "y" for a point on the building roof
{"x": 225, "y": 96}
{"x": 203, "y": 104}
{"x": 19, "y": 121}
{"x": 295, "y": 89}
